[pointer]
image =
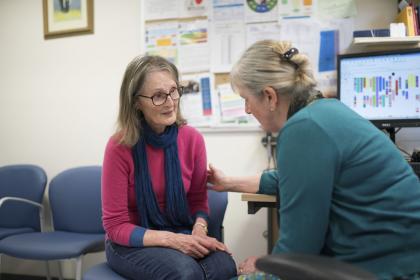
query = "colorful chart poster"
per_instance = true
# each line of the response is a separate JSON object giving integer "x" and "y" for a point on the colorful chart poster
{"x": 193, "y": 47}
{"x": 232, "y": 107}
{"x": 198, "y": 102}
{"x": 193, "y": 8}
{"x": 296, "y": 8}
{"x": 260, "y": 10}
{"x": 161, "y": 38}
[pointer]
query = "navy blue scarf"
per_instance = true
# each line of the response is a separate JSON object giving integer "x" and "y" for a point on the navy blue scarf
{"x": 176, "y": 211}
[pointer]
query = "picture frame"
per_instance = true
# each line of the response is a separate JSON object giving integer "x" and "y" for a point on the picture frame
{"x": 67, "y": 18}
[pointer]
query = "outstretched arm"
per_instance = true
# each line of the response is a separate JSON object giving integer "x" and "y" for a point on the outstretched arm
{"x": 222, "y": 183}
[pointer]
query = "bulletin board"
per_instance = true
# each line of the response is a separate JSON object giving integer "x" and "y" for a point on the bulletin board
{"x": 205, "y": 37}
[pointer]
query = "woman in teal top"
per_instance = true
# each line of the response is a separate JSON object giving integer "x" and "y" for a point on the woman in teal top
{"x": 345, "y": 190}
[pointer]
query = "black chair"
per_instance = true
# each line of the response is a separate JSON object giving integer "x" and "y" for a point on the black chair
{"x": 293, "y": 266}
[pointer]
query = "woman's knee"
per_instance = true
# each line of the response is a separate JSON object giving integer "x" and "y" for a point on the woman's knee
{"x": 188, "y": 272}
{"x": 219, "y": 265}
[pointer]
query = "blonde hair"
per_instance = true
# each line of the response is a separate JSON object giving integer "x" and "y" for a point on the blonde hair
{"x": 263, "y": 65}
{"x": 129, "y": 115}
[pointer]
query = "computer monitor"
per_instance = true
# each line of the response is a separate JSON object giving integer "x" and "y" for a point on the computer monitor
{"x": 382, "y": 87}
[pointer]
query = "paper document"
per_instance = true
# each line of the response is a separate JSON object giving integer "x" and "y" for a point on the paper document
{"x": 193, "y": 46}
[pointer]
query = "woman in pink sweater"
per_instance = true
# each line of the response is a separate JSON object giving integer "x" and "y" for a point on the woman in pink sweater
{"x": 154, "y": 196}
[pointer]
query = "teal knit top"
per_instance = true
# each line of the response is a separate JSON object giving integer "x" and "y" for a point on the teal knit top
{"x": 345, "y": 191}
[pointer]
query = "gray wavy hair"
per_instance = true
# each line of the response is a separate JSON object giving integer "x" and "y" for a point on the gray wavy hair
{"x": 129, "y": 115}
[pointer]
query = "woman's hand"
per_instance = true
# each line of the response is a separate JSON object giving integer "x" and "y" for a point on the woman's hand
{"x": 222, "y": 183}
{"x": 199, "y": 231}
{"x": 200, "y": 228}
{"x": 196, "y": 246}
{"x": 217, "y": 179}
{"x": 247, "y": 266}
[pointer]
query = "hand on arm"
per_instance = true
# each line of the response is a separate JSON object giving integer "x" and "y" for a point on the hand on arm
{"x": 222, "y": 183}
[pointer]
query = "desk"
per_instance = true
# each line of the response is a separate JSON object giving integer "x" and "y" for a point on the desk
{"x": 255, "y": 203}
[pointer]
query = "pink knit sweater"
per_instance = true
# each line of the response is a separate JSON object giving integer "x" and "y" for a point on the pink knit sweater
{"x": 119, "y": 210}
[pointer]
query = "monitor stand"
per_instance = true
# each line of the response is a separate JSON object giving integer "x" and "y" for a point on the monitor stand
{"x": 415, "y": 165}
{"x": 391, "y": 132}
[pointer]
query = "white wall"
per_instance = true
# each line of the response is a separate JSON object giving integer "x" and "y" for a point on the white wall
{"x": 58, "y": 98}
{"x": 58, "y": 105}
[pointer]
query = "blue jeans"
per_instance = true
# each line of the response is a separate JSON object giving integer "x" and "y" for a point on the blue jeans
{"x": 165, "y": 263}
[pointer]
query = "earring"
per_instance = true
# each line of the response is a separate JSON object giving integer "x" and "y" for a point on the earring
{"x": 271, "y": 109}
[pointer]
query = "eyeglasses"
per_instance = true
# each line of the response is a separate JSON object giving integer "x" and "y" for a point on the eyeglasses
{"x": 161, "y": 97}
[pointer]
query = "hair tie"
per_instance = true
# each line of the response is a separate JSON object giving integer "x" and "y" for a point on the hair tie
{"x": 289, "y": 54}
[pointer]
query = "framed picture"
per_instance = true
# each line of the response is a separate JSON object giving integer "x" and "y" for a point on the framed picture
{"x": 67, "y": 18}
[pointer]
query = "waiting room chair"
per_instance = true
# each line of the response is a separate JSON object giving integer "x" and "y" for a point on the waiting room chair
{"x": 217, "y": 204}
{"x": 293, "y": 266}
{"x": 75, "y": 200}
{"x": 22, "y": 189}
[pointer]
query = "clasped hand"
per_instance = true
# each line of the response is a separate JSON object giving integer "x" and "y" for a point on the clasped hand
{"x": 197, "y": 246}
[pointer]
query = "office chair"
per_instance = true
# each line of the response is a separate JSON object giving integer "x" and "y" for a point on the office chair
{"x": 217, "y": 204}
{"x": 75, "y": 199}
{"x": 293, "y": 266}
{"x": 21, "y": 191}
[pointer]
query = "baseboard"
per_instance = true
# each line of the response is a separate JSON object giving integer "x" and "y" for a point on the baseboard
{"x": 6, "y": 276}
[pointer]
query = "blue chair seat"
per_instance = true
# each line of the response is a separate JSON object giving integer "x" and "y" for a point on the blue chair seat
{"x": 11, "y": 231}
{"x": 51, "y": 245}
{"x": 103, "y": 272}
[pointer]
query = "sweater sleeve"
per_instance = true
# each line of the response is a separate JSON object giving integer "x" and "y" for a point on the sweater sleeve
{"x": 307, "y": 162}
{"x": 269, "y": 182}
{"x": 197, "y": 195}
{"x": 115, "y": 189}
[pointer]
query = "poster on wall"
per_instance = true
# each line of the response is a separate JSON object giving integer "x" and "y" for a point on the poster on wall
{"x": 297, "y": 8}
{"x": 161, "y": 38}
{"x": 232, "y": 108}
{"x": 193, "y": 46}
{"x": 227, "y": 34}
{"x": 160, "y": 9}
{"x": 193, "y": 8}
{"x": 227, "y": 45}
{"x": 260, "y": 10}
{"x": 262, "y": 31}
{"x": 198, "y": 103}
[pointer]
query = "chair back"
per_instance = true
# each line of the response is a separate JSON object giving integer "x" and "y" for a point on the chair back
{"x": 75, "y": 199}
{"x": 22, "y": 181}
{"x": 217, "y": 204}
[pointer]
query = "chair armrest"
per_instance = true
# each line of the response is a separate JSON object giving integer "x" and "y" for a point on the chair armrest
{"x": 19, "y": 199}
{"x": 27, "y": 201}
{"x": 293, "y": 266}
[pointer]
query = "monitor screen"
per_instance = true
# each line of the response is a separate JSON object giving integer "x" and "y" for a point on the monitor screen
{"x": 382, "y": 87}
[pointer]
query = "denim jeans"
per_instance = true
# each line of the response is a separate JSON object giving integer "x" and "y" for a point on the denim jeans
{"x": 157, "y": 263}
